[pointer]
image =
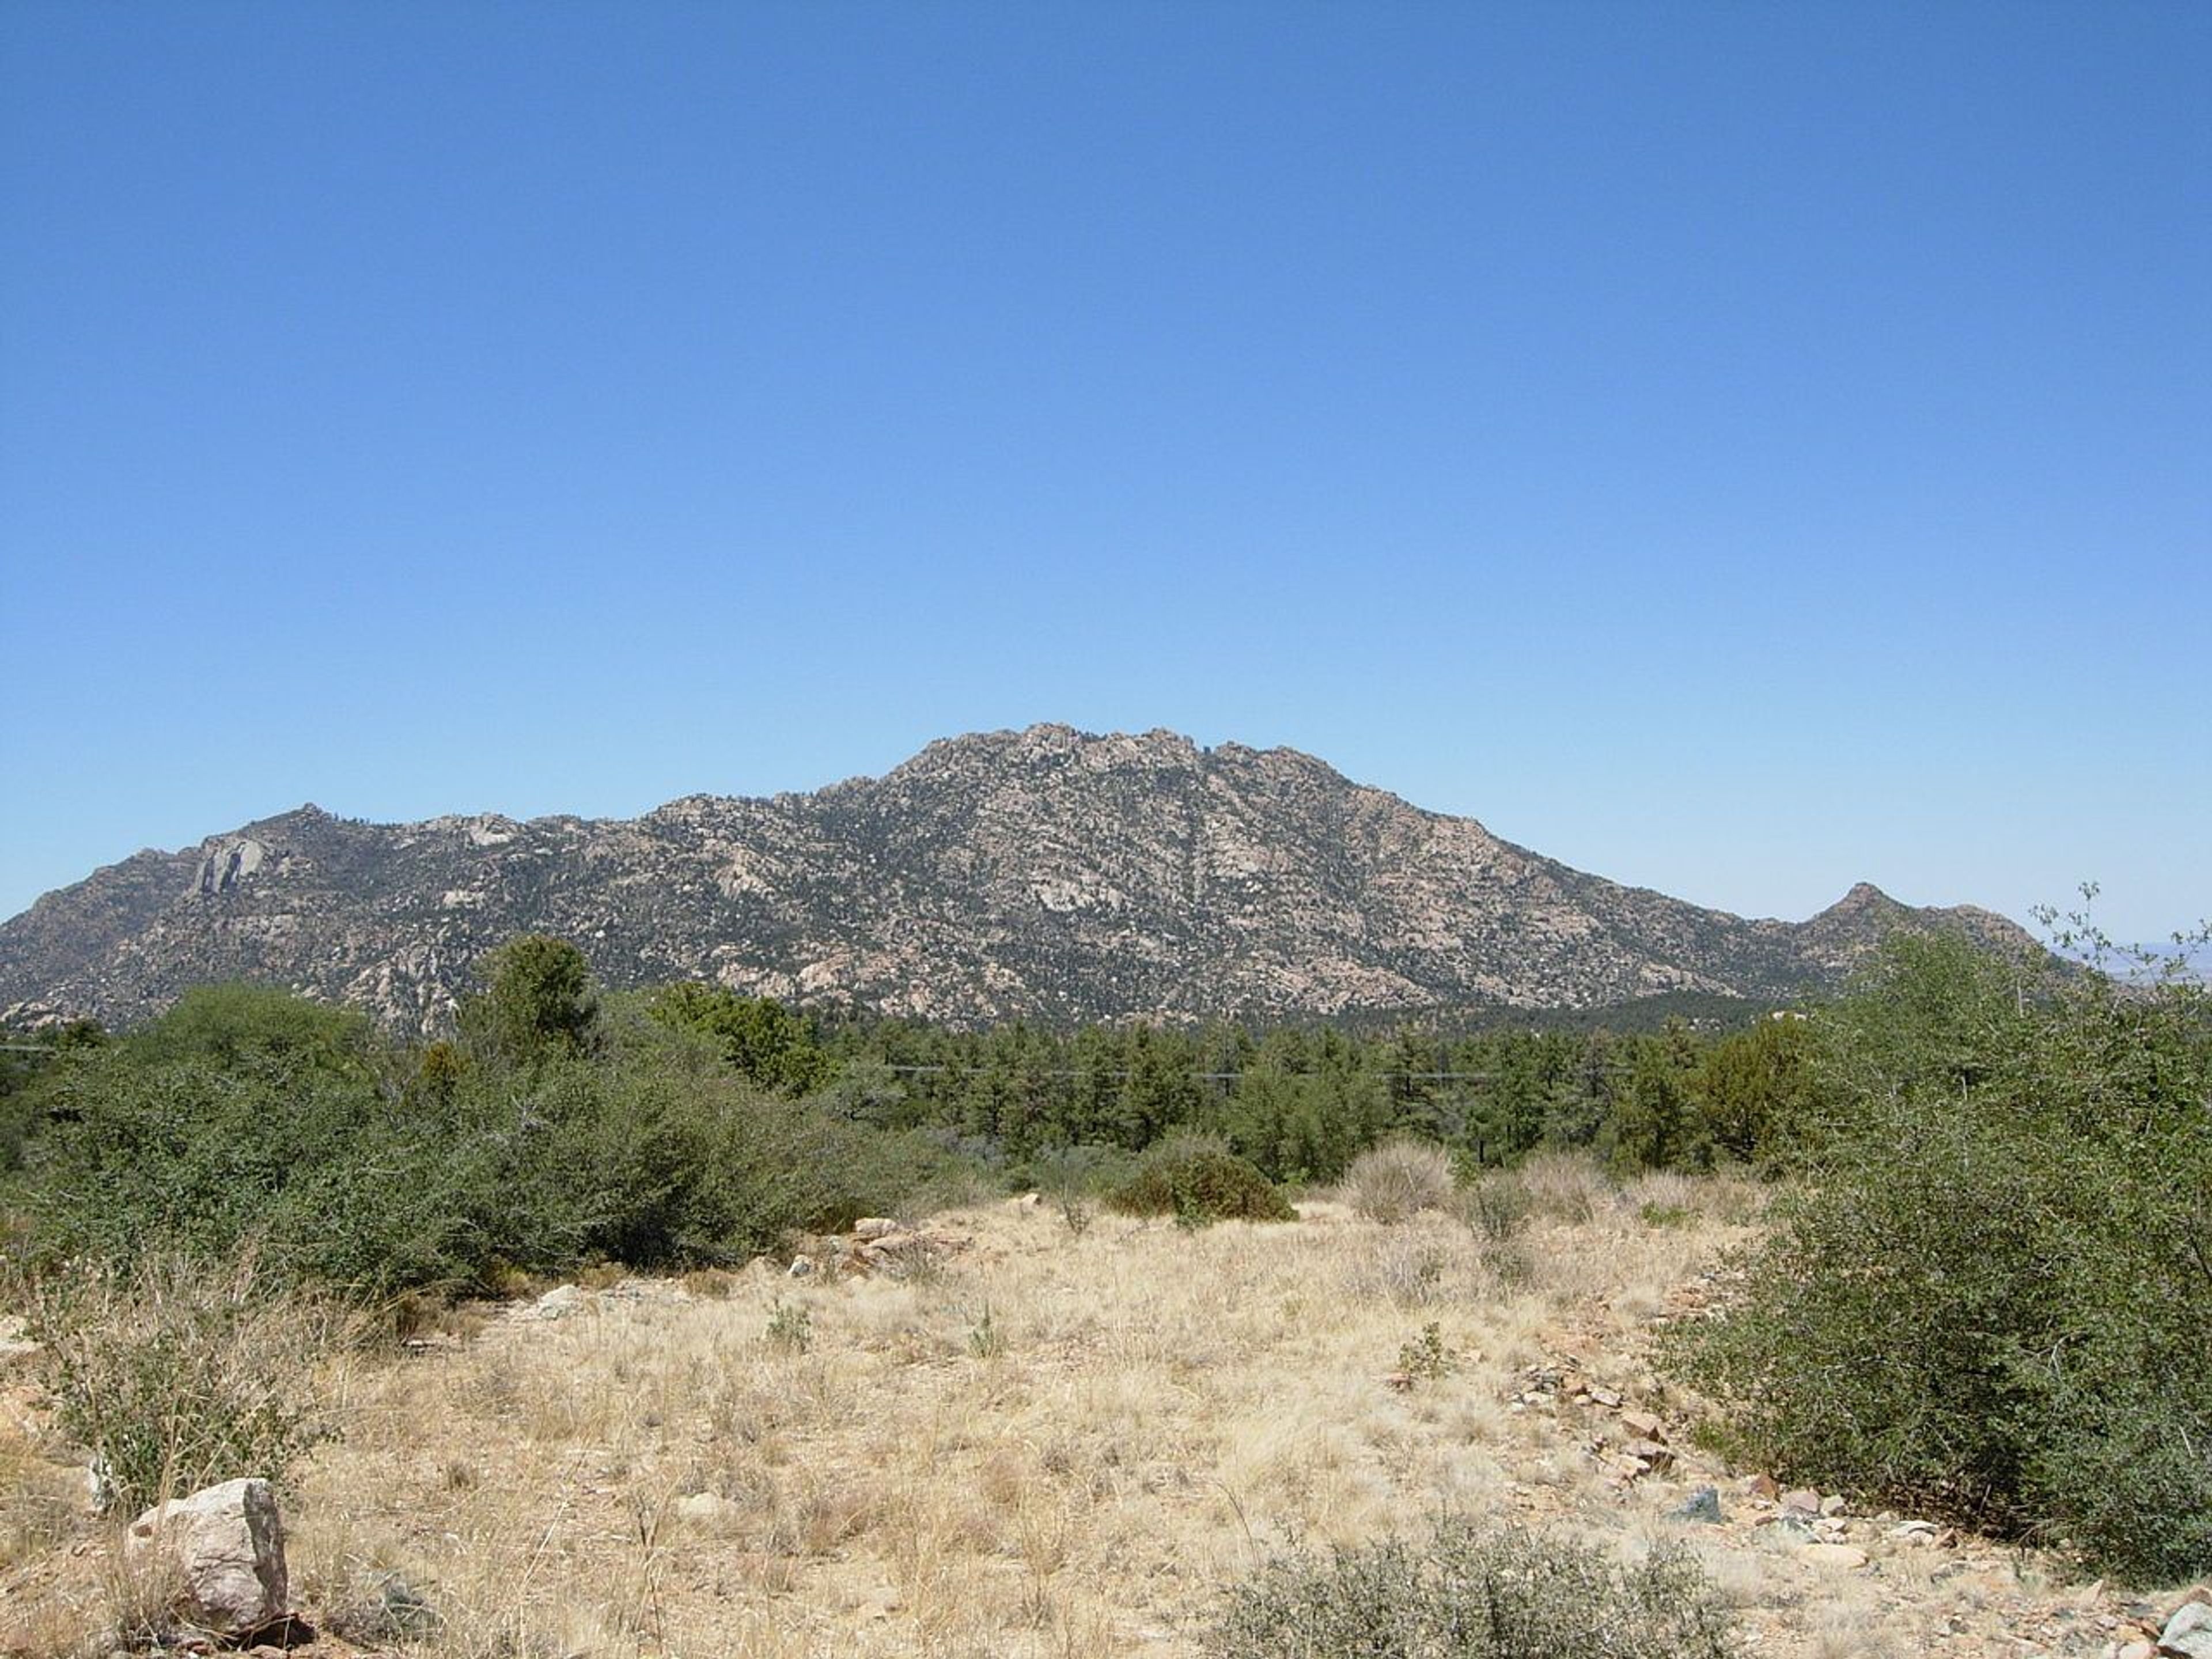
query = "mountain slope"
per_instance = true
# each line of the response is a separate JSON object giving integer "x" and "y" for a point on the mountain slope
{"x": 1047, "y": 873}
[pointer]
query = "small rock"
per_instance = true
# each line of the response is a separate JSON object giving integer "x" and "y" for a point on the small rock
{"x": 1802, "y": 1500}
{"x": 2137, "y": 1651}
{"x": 1845, "y": 1556}
{"x": 1762, "y": 1485}
{"x": 2188, "y": 1634}
{"x": 1607, "y": 1398}
{"x": 393, "y": 1610}
{"x": 226, "y": 1546}
{"x": 802, "y": 1267}
{"x": 1642, "y": 1425}
{"x": 874, "y": 1226}
{"x": 558, "y": 1304}
{"x": 1650, "y": 1452}
{"x": 704, "y": 1506}
{"x": 1702, "y": 1504}
{"x": 1834, "y": 1505}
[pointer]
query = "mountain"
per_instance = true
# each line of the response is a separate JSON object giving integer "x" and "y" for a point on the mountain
{"x": 1047, "y": 873}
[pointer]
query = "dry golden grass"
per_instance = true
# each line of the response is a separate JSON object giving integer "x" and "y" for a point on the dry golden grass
{"x": 1046, "y": 1444}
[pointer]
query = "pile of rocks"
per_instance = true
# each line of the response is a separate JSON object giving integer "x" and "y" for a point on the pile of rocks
{"x": 878, "y": 1243}
{"x": 1633, "y": 1444}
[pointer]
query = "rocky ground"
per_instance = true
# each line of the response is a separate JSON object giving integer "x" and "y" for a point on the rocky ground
{"x": 1002, "y": 1432}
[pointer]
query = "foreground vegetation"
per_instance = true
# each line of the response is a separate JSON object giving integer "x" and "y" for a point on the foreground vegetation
{"x": 1989, "y": 1294}
{"x": 692, "y": 1126}
{"x": 1982, "y": 1297}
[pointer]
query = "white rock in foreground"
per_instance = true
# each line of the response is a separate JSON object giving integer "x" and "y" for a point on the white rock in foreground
{"x": 2188, "y": 1633}
{"x": 225, "y": 1548}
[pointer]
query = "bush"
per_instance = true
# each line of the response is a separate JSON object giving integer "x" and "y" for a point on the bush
{"x": 1073, "y": 1178}
{"x": 1197, "y": 1179}
{"x": 175, "y": 1375}
{"x": 1564, "y": 1185}
{"x": 1989, "y": 1300}
{"x": 1467, "y": 1593}
{"x": 1398, "y": 1179}
{"x": 247, "y": 1116}
{"x": 1495, "y": 1206}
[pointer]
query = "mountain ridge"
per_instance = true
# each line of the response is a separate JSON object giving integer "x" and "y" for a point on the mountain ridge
{"x": 1047, "y": 873}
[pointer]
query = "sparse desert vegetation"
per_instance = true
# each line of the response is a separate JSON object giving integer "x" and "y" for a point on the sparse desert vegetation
{"x": 1164, "y": 1424}
{"x": 562, "y": 1401}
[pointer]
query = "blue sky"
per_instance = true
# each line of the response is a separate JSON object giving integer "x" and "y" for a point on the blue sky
{"x": 1738, "y": 449}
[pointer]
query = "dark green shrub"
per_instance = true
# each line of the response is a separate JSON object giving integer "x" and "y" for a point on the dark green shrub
{"x": 757, "y": 1037}
{"x": 1756, "y": 1091}
{"x": 1197, "y": 1179}
{"x": 1466, "y": 1592}
{"x": 1989, "y": 1299}
{"x": 226, "y": 1128}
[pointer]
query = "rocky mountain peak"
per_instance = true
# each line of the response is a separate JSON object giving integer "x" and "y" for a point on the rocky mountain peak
{"x": 1046, "y": 872}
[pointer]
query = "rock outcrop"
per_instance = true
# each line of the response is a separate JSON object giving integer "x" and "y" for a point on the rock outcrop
{"x": 1047, "y": 873}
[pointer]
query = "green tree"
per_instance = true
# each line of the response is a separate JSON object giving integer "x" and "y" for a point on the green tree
{"x": 1654, "y": 1123}
{"x": 758, "y": 1036}
{"x": 1756, "y": 1091}
{"x": 1988, "y": 1299}
{"x": 538, "y": 1003}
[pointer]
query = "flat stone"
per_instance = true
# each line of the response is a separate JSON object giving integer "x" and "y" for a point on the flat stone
{"x": 1642, "y": 1425}
{"x": 1801, "y": 1500}
{"x": 1845, "y": 1556}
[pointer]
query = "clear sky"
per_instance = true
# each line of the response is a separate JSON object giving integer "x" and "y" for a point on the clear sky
{"x": 1740, "y": 449}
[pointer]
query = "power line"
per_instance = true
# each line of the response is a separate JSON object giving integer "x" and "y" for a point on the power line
{"x": 1123, "y": 1074}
